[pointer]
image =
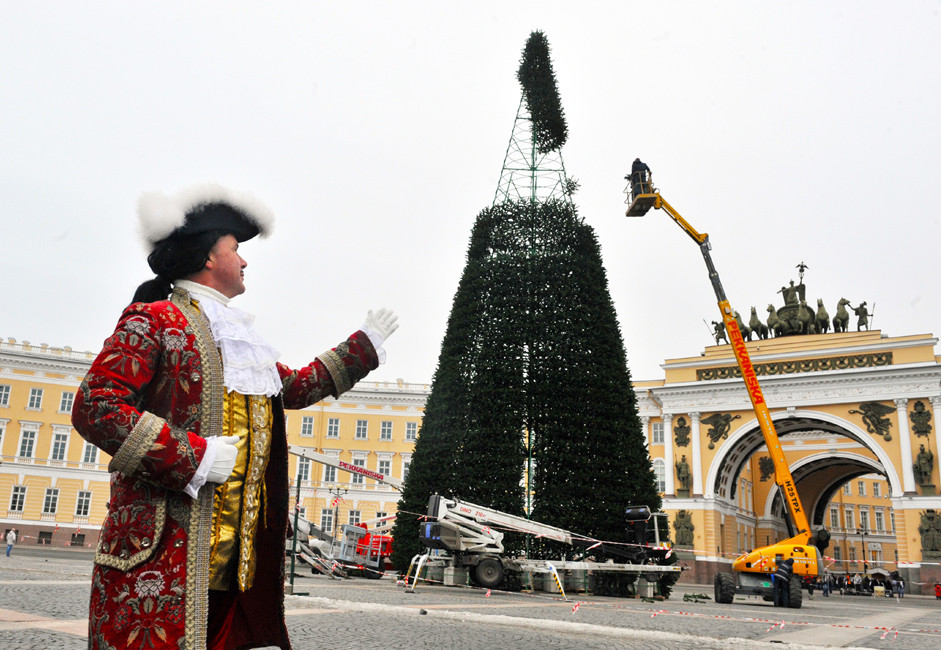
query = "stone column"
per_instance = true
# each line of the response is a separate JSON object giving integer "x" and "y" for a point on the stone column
{"x": 905, "y": 445}
{"x": 936, "y": 410}
{"x": 670, "y": 485}
{"x": 645, "y": 423}
{"x": 697, "y": 454}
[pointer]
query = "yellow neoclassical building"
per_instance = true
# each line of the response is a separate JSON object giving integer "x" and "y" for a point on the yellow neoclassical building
{"x": 855, "y": 411}
{"x": 856, "y": 416}
{"x": 54, "y": 486}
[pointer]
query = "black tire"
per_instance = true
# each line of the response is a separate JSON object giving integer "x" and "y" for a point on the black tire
{"x": 488, "y": 572}
{"x": 794, "y": 594}
{"x": 724, "y": 588}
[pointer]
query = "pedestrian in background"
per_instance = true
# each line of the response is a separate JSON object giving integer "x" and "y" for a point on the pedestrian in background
{"x": 11, "y": 540}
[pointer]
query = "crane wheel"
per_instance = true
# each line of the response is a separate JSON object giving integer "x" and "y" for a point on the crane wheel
{"x": 794, "y": 594}
{"x": 724, "y": 588}
{"x": 488, "y": 572}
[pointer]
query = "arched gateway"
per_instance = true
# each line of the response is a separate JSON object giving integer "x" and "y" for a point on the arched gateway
{"x": 856, "y": 415}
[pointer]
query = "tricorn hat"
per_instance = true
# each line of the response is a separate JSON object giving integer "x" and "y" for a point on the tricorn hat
{"x": 199, "y": 209}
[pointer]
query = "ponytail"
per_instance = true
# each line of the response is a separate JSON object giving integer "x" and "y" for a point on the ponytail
{"x": 152, "y": 290}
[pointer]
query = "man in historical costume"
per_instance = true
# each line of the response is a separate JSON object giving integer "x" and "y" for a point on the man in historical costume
{"x": 184, "y": 393}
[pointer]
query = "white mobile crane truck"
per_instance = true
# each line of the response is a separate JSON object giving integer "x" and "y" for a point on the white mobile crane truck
{"x": 464, "y": 535}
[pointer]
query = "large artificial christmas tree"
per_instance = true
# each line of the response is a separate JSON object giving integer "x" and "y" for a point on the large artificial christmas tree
{"x": 531, "y": 410}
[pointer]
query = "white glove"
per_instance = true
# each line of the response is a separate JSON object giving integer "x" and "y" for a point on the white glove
{"x": 380, "y": 325}
{"x": 223, "y": 464}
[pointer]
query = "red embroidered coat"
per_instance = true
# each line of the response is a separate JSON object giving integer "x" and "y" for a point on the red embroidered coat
{"x": 150, "y": 399}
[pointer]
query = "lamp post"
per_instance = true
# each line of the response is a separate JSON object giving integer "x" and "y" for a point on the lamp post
{"x": 338, "y": 493}
{"x": 297, "y": 514}
{"x": 863, "y": 532}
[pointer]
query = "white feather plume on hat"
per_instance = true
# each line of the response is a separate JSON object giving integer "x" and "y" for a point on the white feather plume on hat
{"x": 160, "y": 215}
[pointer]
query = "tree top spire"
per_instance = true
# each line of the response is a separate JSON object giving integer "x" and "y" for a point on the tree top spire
{"x": 541, "y": 94}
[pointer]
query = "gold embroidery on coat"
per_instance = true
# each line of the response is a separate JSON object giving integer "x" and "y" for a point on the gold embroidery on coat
{"x": 200, "y": 519}
{"x": 238, "y": 503}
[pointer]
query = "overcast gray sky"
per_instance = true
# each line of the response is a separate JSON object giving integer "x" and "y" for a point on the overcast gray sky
{"x": 789, "y": 131}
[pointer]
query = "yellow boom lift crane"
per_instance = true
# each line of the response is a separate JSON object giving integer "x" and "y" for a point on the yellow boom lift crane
{"x": 752, "y": 572}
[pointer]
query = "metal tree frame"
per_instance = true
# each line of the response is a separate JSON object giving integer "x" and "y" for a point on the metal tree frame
{"x": 527, "y": 174}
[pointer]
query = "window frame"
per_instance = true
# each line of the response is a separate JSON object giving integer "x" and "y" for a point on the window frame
{"x": 35, "y": 399}
{"x": 66, "y": 401}
{"x": 83, "y": 498}
{"x": 17, "y": 494}
{"x": 333, "y": 428}
{"x": 57, "y": 438}
{"x": 657, "y": 436}
{"x": 50, "y": 501}
{"x": 307, "y": 426}
{"x": 362, "y": 430}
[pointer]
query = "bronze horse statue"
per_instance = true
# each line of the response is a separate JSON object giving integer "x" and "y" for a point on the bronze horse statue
{"x": 776, "y": 326}
{"x": 842, "y": 319}
{"x": 822, "y": 321}
{"x": 759, "y": 328}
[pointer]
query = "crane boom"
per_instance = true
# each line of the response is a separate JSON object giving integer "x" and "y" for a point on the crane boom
{"x": 782, "y": 473}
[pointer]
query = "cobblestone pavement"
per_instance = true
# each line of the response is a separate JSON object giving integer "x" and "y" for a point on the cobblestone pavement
{"x": 43, "y": 604}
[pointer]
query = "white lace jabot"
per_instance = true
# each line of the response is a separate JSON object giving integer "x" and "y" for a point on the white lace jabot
{"x": 248, "y": 361}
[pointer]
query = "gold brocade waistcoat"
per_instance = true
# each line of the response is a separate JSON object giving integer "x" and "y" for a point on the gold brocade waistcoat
{"x": 238, "y": 503}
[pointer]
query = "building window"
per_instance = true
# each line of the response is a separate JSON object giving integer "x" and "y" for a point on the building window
{"x": 837, "y": 553}
{"x": 385, "y": 467}
{"x": 303, "y": 469}
{"x": 852, "y": 553}
{"x": 660, "y": 475}
{"x": 83, "y": 503}
{"x": 35, "y": 399}
{"x": 362, "y": 428}
{"x": 354, "y": 517}
{"x": 51, "y": 502}
{"x": 358, "y": 479}
{"x": 307, "y": 426}
{"x": 850, "y": 519}
{"x": 864, "y": 518}
{"x": 834, "y": 518}
{"x": 411, "y": 431}
{"x": 656, "y": 434}
{"x": 27, "y": 444}
{"x": 18, "y": 499}
{"x": 405, "y": 465}
{"x": 892, "y": 520}
{"x": 880, "y": 520}
{"x": 385, "y": 431}
{"x": 4, "y": 395}
{"x": 861, "y": 485}
{"x": 381, "y": 515}
{"x": 333, "y": 427}
{"x": 847, "y": 489}
{"x": 326, "y": 520}
{"x": 329, "y": 474}
{"x": 90, "y": 455}
{"x": 302, "y": 513}
{"x": 60, "y": 444}
{"x": 876, "y": 489}
{"x": 65, "y": 404}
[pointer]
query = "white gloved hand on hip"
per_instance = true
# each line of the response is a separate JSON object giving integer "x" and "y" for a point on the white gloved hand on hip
{"x": 224, "y": 463}
{"x": 380, "y": 325}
